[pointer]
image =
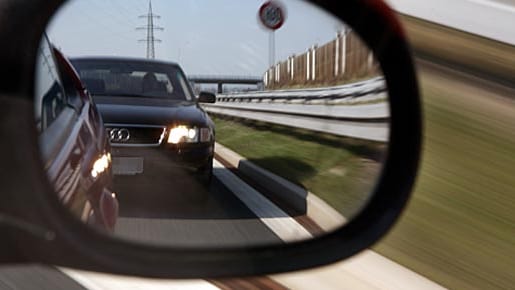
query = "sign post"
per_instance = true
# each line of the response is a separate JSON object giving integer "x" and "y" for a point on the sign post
{"x": 272, "y": 16}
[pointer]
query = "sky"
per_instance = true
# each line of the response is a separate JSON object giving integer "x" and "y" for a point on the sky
{"x": 222, "y": 37}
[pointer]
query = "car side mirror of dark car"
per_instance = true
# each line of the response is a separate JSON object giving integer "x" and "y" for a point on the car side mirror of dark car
{"x": 206, "y": 97}
{"x": 172, "y": 227}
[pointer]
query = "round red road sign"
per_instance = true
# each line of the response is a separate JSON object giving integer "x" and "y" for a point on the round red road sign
{"x": 271, "y": 15}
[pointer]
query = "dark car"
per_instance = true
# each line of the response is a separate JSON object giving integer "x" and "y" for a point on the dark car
{"x": 73, "y": 142}
{"x": 154, "y": 120}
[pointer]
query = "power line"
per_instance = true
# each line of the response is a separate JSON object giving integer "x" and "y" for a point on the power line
{"x": 151, "y": 40}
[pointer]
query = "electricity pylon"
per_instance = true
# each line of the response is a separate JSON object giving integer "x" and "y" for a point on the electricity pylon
{"x": 150, "y": 28}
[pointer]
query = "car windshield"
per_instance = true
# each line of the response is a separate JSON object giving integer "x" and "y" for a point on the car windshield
{"x": 133, "y": 79}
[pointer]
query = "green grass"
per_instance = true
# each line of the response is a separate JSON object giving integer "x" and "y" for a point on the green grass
{"x": 340, "y": 171}
{"x": 459, "y": 228}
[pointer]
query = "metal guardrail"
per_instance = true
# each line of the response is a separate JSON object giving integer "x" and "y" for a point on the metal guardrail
{"x": 225, "y": 78}
{"x": 371, "y": 86}
{"x": 359, "y": 110}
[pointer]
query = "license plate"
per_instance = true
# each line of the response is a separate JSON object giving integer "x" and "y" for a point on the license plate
{"x": 127, "y": 165}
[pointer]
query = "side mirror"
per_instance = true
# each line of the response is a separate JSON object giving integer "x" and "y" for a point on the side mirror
{"x": 219, "y": 214}
{"x": 205, "y": 97}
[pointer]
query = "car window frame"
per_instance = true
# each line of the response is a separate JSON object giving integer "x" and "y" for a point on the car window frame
{"x": 47, "y": 59}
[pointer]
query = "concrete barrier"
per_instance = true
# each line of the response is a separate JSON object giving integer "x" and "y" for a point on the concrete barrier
{"x": 292, "y": 195}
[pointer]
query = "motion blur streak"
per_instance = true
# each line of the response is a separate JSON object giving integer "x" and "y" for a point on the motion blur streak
{"x": 101, "y": 281}
{"x": 459, "y": 227}
{"x": 490, "y": 18}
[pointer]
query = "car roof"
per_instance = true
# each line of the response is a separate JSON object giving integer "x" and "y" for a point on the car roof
{"x": 123, "y": 59}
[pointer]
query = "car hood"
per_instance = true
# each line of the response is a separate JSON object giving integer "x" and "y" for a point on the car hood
{"x": 149, "y": 111}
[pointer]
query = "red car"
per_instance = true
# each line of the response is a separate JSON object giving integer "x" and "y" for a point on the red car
{"x": 74, "y": 145}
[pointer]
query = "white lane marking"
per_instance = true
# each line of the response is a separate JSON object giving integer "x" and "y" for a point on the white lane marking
{"x": 323, "y": 214}
{"x": 366, "y": 270}
{"x": 101, "y": 281}
{"x": 285, "y": 227}
{"x": 385, "y": 273}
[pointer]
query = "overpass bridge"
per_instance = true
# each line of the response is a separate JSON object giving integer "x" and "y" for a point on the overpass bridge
{"x": 220, "y": 80}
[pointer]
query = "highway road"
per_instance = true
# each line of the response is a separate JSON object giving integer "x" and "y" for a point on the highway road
{"x": 233, "y": 213}
{"x": 172, "y": 211}
{"x": 169, "y": 211}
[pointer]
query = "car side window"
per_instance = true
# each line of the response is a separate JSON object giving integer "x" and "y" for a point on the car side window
{"x": 74, "y": 97}
{"x": 49, "y": 95}
{"x": 165, "y": 82}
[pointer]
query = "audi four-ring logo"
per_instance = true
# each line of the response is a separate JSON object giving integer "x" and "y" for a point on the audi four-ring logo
{"x": 119, "y": 135}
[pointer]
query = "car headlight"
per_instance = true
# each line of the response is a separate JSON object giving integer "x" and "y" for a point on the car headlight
{"x": 101, "y": 165}
{"x": 183, "y": 134}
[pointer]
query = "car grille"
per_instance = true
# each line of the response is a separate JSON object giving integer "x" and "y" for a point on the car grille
{"x": 135, "y": 135}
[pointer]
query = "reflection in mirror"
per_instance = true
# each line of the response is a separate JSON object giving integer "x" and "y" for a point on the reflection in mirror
{"x": 134, "y": 145}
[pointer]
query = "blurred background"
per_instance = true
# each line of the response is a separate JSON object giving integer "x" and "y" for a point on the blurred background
{"x": 459, "y": 228}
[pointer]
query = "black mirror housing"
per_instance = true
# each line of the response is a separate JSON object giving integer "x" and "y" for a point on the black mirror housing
{"x": 37, "y": 229}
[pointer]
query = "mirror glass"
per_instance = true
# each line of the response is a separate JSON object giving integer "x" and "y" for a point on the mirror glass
{"x": 292, "y": 147}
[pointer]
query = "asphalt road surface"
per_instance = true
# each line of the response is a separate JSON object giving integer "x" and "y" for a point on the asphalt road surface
{"x": 176, "y": 210}
{"x": 168, "y": 210}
